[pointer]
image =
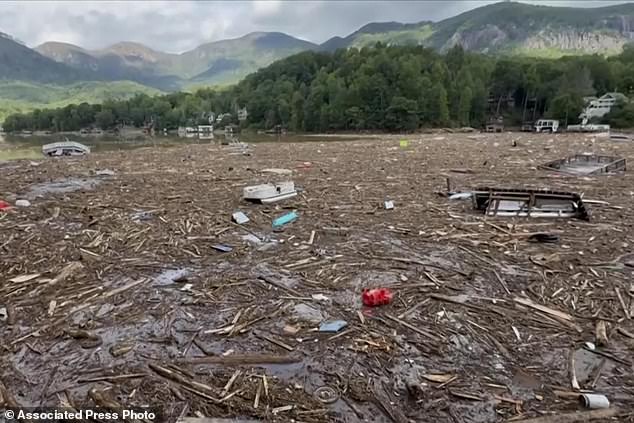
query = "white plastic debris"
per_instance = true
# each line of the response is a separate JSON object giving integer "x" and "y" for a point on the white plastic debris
{"x": 320, "y": 297}
{"x": 240, "y": 218}
{"x": 270, "y": 193}
{"x": 389, "y": 205}
{"x": 105, "y": 172}
{"x": 594, "y": 401}
{"x": 23, "y": 203}
{"x": 461, "y": 196}
{"x": 277, "y": 171}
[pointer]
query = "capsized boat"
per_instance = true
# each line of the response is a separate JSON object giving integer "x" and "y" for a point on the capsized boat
{"x": 65, "y": 148}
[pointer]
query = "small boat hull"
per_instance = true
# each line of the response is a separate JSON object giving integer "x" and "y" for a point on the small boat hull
{"x": 67, "y": 148}
{"x": 269, "y": 193}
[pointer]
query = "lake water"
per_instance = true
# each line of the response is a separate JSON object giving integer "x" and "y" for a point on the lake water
{"x": 13, "y": 147}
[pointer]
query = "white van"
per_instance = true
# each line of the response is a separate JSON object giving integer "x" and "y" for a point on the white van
{"x": 546, "y": 125}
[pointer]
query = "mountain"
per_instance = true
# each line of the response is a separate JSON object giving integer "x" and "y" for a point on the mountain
{"x": 20, "y": 96}
{"x": 17, "y": 61}
{"x": 211, "y": 63}
{"x": 511, "y": 28}
{"x": 501, "y": 28}
{"x": 385, "y": 32}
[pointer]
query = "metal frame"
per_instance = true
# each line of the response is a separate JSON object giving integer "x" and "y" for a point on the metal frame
{"x": 489, "y": 200}
{"x": 612, "y": 164}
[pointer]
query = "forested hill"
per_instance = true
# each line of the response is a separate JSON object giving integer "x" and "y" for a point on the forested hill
{"x": 379, "y": 88}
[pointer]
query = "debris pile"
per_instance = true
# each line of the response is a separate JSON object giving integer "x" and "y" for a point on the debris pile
{"x": 149, "y": 288}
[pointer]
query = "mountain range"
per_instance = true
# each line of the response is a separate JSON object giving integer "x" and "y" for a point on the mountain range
{"x": 501, "y": 28}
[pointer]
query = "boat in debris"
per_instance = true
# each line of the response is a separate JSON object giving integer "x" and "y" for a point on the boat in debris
{"x": 270, "y": 193}
{"x": 65, "y": 148}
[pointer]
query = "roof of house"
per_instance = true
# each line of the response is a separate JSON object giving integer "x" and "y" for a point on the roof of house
{"x": 617, "y": 96}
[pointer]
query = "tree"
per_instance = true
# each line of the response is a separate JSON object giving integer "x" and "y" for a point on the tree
{"x": 565, "y": 107}
{"x": 283, "y": 111}
{"x": 401, "y": 115}
{"x": 438, "y": 107}
{"x": 464, "y": 108}
{"x": 297, "y": 112}
{"x": 105, "y": 119}
{"x": 621, "y": 115}
{"x": 577, "y": 81}
{"x": 375, "y": 88}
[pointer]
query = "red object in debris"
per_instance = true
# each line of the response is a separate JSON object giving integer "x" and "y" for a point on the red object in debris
{"x": 4, "y": 205}
{"x": 376, "y": 297}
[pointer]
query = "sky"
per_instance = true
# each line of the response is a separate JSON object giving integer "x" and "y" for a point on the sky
{"x": 177, "y": 26}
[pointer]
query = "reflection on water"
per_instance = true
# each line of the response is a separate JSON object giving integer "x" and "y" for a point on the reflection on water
{"x": 14, "y": 147}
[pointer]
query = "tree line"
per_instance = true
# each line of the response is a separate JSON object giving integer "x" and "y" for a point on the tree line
{"x": 394, "y": 88}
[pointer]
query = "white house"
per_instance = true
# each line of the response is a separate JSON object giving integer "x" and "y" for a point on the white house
{"x": 242, "y": 114}
{"x": 601, "y": 106}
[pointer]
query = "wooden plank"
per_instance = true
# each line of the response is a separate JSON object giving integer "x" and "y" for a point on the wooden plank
{"x": 529, "y": 303}
{"x": 237, "y": 359}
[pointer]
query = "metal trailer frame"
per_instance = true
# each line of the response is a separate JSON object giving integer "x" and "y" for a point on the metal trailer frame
{"x": 529, "y": 203}
{"x": 611, "y": 164}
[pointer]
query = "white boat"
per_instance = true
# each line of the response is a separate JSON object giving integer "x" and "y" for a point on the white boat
{"x": 65, "y": 148}
{"x": 270, "y": 193}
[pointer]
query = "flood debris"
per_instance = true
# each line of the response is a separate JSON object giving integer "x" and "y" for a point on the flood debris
{"x": 544, "y": 237}
{"x": 285, "y": 219}
{"x": 105, "y": 172}
{"x": 170, "y": 276}
{"x": 326, "y": 394}
{"x": 620, "y": 137}
{"x": 529, "y": 203}
{"x": 65, "y": 148}
{"x": 586, "y": 164}
{"x": 270, "y": 193}
{"x": 388, "y": 205}
{"x": 376, "y": 297}
{"x": 23, "y": 203}
{"x": 275, "y": 171}
{"x": 240, "y": 218}
{"x": 594, "y": 401}
{"x": 142, "y": 216}
{"x": 332, "y": 326}
{"x": 222, "y": 248}
{"x": 483, "y": 324}
{"x": 461, "y": 196}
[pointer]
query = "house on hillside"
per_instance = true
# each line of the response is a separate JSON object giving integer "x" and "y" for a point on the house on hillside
{"x": 242, "y": 114}
{"x": 599, "y": 107}
{"x": 495, "y": 124}
{"x": 223, "y": 117}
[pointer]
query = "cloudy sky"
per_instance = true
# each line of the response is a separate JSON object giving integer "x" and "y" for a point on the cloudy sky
{"x": 177, "y": 26}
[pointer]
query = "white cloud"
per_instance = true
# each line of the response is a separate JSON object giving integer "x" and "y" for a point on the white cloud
{"x": 267, "y": 7}
{"x": 177, "y": 26}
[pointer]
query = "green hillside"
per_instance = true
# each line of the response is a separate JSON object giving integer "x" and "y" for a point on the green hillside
{"x": 506, "y": 28}
{"x": 393, "y": 88}
{"x": 20, "y": 96}
{"x": 510, "y": 28}
{"x": 216, "y": 63}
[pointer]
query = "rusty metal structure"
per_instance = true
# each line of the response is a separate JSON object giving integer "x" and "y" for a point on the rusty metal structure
{"x": 529, "y": 203}
{"x": 586, "y": 164}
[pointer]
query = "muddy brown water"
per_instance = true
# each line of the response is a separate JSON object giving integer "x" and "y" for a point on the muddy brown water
{"x": 14, "y": 147}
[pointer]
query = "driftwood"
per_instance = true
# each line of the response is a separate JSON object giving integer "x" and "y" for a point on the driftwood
{"x": 116, "y": 287}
